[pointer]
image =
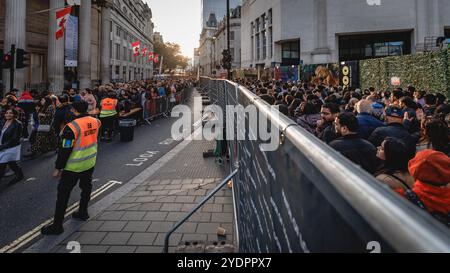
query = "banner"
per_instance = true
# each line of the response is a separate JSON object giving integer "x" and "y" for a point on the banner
{"x": 289, "y": 73}
{"x": 71, "y": 47}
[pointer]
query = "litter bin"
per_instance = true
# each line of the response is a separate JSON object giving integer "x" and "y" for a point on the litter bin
{"x": 126, "y": 128}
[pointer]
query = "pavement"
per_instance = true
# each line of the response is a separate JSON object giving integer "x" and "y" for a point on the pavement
{"x": 136, "y": 217}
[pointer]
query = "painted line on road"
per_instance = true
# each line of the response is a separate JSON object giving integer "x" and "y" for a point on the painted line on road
{"x": 46, "y": 244}
{"x": 31, "y": 235}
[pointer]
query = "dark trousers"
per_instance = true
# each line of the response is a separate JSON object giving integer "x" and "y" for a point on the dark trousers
{"x": 108, "y": 126}
{"x": 13, "y": 166}
{"x": 68, "y": 181}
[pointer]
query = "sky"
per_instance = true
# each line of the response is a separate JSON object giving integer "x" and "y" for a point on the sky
{"x": 179, "y": 21}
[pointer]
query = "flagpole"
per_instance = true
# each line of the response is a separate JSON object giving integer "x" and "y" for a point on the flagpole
{"x": 161, "y": 65}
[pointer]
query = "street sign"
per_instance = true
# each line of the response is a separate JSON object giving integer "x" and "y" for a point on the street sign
{"x": 395, "y": 81}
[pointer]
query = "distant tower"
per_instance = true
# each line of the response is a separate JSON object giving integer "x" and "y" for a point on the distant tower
{"x": 218, "y": 7}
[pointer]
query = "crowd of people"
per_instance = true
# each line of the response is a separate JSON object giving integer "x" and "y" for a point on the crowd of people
{"x": 40, "y": 117}
{"x": 400, "y": 136}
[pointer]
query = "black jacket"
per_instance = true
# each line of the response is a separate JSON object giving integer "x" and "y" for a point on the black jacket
{"x": 328, "y": 134}
{"x": 358, "y": 150}
{"x": 395, "y": 130}
{"x": 12, "y": 135}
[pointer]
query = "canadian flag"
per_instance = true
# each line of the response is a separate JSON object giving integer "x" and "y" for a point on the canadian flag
{"x": 144, "y": 51}
{"x": 150, "y": 56}
{"x": 61, "y": 20}
{"x": 156, "y": 59}
{"x": 136, "y": 48}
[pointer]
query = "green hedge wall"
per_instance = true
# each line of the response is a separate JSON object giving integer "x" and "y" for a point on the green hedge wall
{"x": 427, "y": 71}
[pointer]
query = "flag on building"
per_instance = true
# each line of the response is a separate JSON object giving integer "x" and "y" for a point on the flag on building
{"x": 136, "y": 48}
{"x": 150, "y": 56}
{"x": 156, "y": 59}
{"x": 144, "y": 51}
{"x": 62, "y": 16}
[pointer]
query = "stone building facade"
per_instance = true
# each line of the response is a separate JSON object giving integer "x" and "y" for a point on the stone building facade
{"x": 30, "y": 25}
{"x": 289, "y": 32}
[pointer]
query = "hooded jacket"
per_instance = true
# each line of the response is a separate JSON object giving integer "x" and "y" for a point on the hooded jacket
{"x": 431, "y": 170}
{"x": 309, "y": 122}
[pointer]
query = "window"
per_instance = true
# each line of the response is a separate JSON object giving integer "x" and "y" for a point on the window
{"x": 270, "y": 17}
{"x": 125, "y": 53}
{"x": 252, "y": 27}
{"x": 367, "y": 46}
{"x": 231, "y": 35}
{"x": 263, "y": 21}
{"x": 257, "y": 25}
{"x": 117, "y": 71}
{"x": 118, "y": 31}
{"x": 252, "y": 45}
{"x": 270, "y": 43}
{"x": 264, "y": 45}
{"x": 232, "y": 53}
{"x": 117, "y": 52}
{"x": 258, "y": 47}
{"x": 291, "y": 53}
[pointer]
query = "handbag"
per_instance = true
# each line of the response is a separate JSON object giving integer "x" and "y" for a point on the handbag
{"x": 44, "y": 128}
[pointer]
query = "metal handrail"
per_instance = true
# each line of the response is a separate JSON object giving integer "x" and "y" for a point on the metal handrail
{"x": 403, "y": 225}
{"x": 195, "y": 209}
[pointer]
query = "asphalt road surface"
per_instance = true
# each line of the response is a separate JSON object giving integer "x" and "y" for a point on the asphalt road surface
{"x": 31, "y": 202}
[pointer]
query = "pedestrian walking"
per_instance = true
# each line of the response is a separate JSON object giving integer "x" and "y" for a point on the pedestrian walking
{"x": 10, "y": 146}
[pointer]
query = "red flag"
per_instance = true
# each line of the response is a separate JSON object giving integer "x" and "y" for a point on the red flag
{"x": 136, "y": 48}
{"x": 61, "y": 20}
{"x": 144, "y": 52}
{"x": 150, "y": 56}
{"x": 156, "y": 59}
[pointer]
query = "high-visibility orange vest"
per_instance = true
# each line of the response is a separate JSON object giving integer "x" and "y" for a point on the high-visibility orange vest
{"x": 84, "y": 153}
{"x": 108, "y": 107}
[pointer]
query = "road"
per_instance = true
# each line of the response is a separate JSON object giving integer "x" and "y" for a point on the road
{"x": 28, "y": 204}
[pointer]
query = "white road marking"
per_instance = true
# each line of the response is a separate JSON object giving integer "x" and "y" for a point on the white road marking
{"x": 31, "y": 179}
{"x": 31, "y": 235}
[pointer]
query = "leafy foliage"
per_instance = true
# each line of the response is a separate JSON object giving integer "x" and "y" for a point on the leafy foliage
{"x": 172, "y": 56}
{"x": 427, "y": 71}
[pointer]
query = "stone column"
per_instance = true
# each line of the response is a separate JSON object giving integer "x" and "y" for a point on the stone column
{"x": 105, "y": 44}
{"x": 15, "y": 33}
{"x": 436, "y": 28}
{"x": 84, "y": 59}
{"x": 55, "y": 60}
{"x": 422, "y": 30}
{"x": 321, "y": 50}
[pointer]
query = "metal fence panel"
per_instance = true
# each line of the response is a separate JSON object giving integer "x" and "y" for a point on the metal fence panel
{"x": 305, "y": 197}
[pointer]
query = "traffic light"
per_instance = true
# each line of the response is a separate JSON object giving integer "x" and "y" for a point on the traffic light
{"x": 226, "y": 60}
{"x": 22, "y": 58}
{"x": 6, "y": 61}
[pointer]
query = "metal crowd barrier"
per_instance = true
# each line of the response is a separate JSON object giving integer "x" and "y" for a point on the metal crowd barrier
{"x": 306, "y": 197}
{"x": 162, "y": 106}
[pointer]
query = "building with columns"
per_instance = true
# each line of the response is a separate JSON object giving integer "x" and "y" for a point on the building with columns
{"x": 206, "y": 49}
{"x": 288, "y": 32}
{"x": 220, "y": 41}
{"x": 131, "y": 22}
{"x": 218, "y": 7}
{"x": 95, "y": 50}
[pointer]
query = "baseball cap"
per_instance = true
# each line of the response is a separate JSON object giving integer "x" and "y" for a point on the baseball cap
{"x": 393, "y": 111}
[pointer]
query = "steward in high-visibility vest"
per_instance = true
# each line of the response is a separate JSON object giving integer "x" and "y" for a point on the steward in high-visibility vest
{"x": 108, "y": 116}
{"x": 84, "y": 153}
{"x": 108, "y": 107}
{"x": 77, "y": 156}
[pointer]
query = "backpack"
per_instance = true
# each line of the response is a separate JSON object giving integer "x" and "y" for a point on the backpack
{"x": 415, "y": 199}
